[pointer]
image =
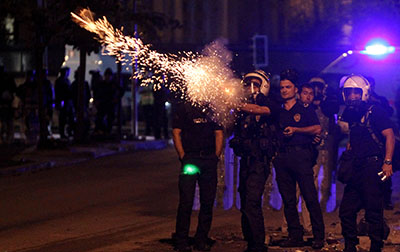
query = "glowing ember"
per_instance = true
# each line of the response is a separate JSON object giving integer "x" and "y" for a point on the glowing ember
{"x": 205, "y": 79}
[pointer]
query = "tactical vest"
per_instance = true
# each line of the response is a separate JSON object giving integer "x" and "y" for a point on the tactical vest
{"x": 254, "y": 136}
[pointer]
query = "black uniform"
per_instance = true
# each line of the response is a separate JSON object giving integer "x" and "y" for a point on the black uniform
{"x": 294, "y": 163}
{"x": 198, "y": 140}
{"x": 365, "y": 190}
{"x": 254, "y": 143}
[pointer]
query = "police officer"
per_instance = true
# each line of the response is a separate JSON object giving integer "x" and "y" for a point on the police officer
{"x": 294, "y": 162}
{"x": 198, "y": 142}
{"x": 369, "y": 125}
{"x": 326, "y": 103}
{"x": 253, "y": 142}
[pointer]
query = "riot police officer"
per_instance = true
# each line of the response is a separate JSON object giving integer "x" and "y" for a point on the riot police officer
{"x": 294, "y": 162}
{"x": 370, "y": 127}
{"x": 253, "y": 142}
{"x": 198, "y": 142}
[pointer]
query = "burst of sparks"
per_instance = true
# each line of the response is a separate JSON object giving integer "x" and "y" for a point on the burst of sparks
{"x": 203, "y": 79}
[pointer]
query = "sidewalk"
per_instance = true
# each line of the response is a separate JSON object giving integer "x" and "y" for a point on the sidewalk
{"x": 16, "y": 159}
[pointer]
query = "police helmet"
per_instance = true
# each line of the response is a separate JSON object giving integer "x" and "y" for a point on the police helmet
{"x": 263, "y": 77}
{"x": 355, "y": 81}
{"x": 320, "y": 84}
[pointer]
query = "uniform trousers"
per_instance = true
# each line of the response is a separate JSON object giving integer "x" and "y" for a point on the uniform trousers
{"x": 253, "y": 174}
{"x": 295, "y": 165}
{"x": 365, "y": 190}
{"x": 207, "y": 181}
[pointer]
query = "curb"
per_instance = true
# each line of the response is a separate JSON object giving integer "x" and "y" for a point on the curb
{"x": 84, "y": 154}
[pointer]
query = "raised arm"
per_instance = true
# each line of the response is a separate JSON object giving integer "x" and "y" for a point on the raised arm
{"x": 255, "y": 109}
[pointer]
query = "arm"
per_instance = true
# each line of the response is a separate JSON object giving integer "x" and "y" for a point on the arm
{"x": 390, "y": 142}
{"x": 176, "y": 137}
{"x": 309, "y": 130}
{"x": 255, "y": 109}
{"x": 219, "y": 139}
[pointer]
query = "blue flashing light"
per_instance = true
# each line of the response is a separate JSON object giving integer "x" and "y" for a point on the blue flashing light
{"x": 378, "y": 48}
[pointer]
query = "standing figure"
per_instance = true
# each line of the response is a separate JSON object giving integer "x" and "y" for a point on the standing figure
{"x": 106, "y": 98}
{"x": 27, "y": 94}
{"x": 369, "y": 126}
{"x": 160, "y": 113}
{"x": 7, "y": 92}
{"x": 147, "y": 105}
{"x": 64, "y": 104}
{"x": 254, "y": 142}
{"x": 86, "y": 100}
{"x": 48, "y": 99}
{"x": 294, "y": 163}
{"x": 326, "y": 104}
{"x": 198, "y": 143}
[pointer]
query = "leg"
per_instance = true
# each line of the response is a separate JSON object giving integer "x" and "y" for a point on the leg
{"x": 243, "y": 175}
{"x": 62, "y": 120}
{"x": 110, "y": 117}
{"x": 387, "y": 194}
{"x": 287, "y": 188}
{"x": 208, "y": 189}
{"x": 303, "y": 169}
{"x": 373, "y": 195}
{"x": 305, "y": 213}
{"x": 307, "y": 188}
{"x": 326, "y": 183}
{"x": 187, "y": 186}
{"x": 252, "y": 215}
{"x": 350, "y": 206}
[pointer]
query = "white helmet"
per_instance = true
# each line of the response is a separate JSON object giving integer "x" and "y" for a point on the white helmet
{"x": 263, "y": 77}
{"x": 356, "y": 81}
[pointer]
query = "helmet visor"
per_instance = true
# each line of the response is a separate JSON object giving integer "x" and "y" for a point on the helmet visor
{"x": 252, "y": 80}
{"x": 352, "y": 93}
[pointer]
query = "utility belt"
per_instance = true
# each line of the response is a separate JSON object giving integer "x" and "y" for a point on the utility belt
{"x": 252, "y": 147}
{"x": 294, "y": 148}
{"x": 369, "y": 158}
{"x": 200, "y": 153}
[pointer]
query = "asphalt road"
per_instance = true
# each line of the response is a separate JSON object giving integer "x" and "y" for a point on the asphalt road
{"x": 109, "y": 204}
{"x": 125, "y": 202}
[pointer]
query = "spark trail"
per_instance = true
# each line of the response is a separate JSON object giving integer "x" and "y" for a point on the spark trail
{"x": 204, "y": 80}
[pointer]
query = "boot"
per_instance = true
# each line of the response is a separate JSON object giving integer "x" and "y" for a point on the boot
{"x": 376, "y": 246}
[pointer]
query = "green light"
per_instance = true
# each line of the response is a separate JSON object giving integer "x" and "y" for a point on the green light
{"x": 190, "y": 169}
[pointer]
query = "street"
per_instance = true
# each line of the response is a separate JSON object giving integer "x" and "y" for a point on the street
{"x": 113, "y": 202}
{"x": 125, "y": 202}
